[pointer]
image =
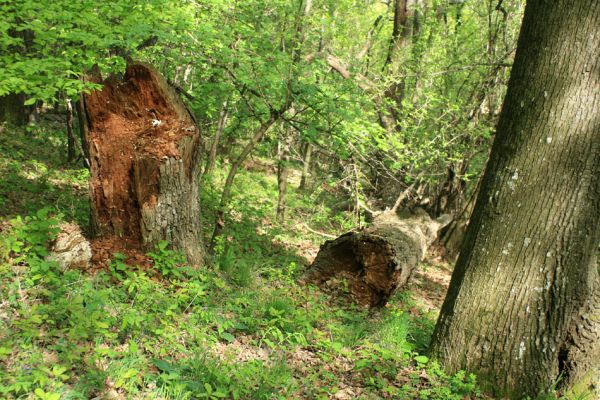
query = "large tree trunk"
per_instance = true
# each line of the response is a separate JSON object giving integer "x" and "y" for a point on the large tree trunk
{"x": 379, "y": 259}
{"x": 525, "y": 277}
{"x": 144, "y": 148}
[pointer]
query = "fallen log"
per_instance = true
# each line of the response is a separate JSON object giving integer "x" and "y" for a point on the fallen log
{"x": 379, "y": 259}
{"x": 144, "y": 147}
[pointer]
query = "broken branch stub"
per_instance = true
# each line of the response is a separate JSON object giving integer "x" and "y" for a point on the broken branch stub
{"x": 379, "y": 259}
{"x": 144, "y": 149}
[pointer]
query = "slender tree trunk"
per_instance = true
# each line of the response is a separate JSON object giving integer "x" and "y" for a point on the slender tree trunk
{"x": 12, "y": 105}
{"x": 70, "y": 135}
{"x": 527, "y": 276}
{"x": 451, "y": 196}
{"x": 283, "y": 161}
{"x": 186, "y": 75}
{"x": 401, "y": 34}
{"x": 221, "y": 124}
{"x": 274, "y": 116}
{"x": 83, "y": 131}
{"x": 356, "y": 192}
{"x": 451, "y": 237}
{"x": 226, "y": 194}
{"x": 306, "y": 160}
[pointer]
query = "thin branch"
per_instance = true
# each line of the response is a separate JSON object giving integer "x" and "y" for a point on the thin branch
{"x": 181, "y": 90}
{"x": 327, "y": 235}
{"x": 369, "y": 43}
{"x": 341, "y": 68}
{"x": 500, "y": 8}
{"x": 406, "y": 193}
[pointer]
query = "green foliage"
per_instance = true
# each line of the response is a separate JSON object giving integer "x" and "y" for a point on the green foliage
{"x": 118, "y": 266}
{"x": 34, "y": 175}
{"x": 211, "y": 379}
{"x": 168, "y": 262}
{"x": 46, "y": 47}
{"x": 453, "y": 387}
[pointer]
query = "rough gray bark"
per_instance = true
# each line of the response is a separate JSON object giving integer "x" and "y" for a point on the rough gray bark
{"x": 144, "y": 148}
{"x": 527, "y": 271}
{"x": 581, "y": 349}
{"x": 379, "y": 259}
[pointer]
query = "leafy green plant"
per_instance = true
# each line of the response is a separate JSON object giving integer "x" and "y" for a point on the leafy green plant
{"x": 238, "y": 270}
{"x": 452, "y": 387}
{"x": 30, "y": 236}
{"x": 167, "y": 261}
{"x": 118, "y": 267}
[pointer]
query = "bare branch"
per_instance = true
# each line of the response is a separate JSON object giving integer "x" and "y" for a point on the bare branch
{"x": 369, "y": 43}
{"x": 338, "y": 66}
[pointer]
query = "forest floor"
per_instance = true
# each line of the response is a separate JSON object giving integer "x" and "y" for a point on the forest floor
{"x": 242, "y": 327}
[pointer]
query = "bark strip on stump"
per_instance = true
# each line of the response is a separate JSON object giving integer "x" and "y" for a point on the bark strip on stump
{"x": 377, "y": 260}
{"x": 144, "y": 148}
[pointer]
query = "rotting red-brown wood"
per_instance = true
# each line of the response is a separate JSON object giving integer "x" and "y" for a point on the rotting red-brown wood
{"x": 144, "y": 148}
{"x": 378, "y": 260}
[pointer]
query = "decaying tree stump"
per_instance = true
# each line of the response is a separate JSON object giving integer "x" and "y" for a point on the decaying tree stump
{"x": 379, "y": 259}
{"x": 144, "y": 147}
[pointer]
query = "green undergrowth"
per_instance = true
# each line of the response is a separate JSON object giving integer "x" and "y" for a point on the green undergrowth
{"x": 195, "y": 333}
{"x": 35, "y": 174}
{"x": 239, "y": 328}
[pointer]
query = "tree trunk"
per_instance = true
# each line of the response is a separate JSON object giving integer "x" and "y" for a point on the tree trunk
{"x": 70, "y": 135}
{"x": 452, "y": 236}
{"x": 144, "y": 149}
{"x": 401, "y": 34}
{"x": 212, "y": 156}
{"x": 451, "y": 197}
{"x": 83, "y": 131}
{"x": 308, "y": 148}
{"x": 377, "y": 260}
{"x": 13, "y": 110}
{"x": 527, "y": 271}
{"x": 283, "y": 161}
{"x": 12, "y": 105}
{"x": 226, "y": 194}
